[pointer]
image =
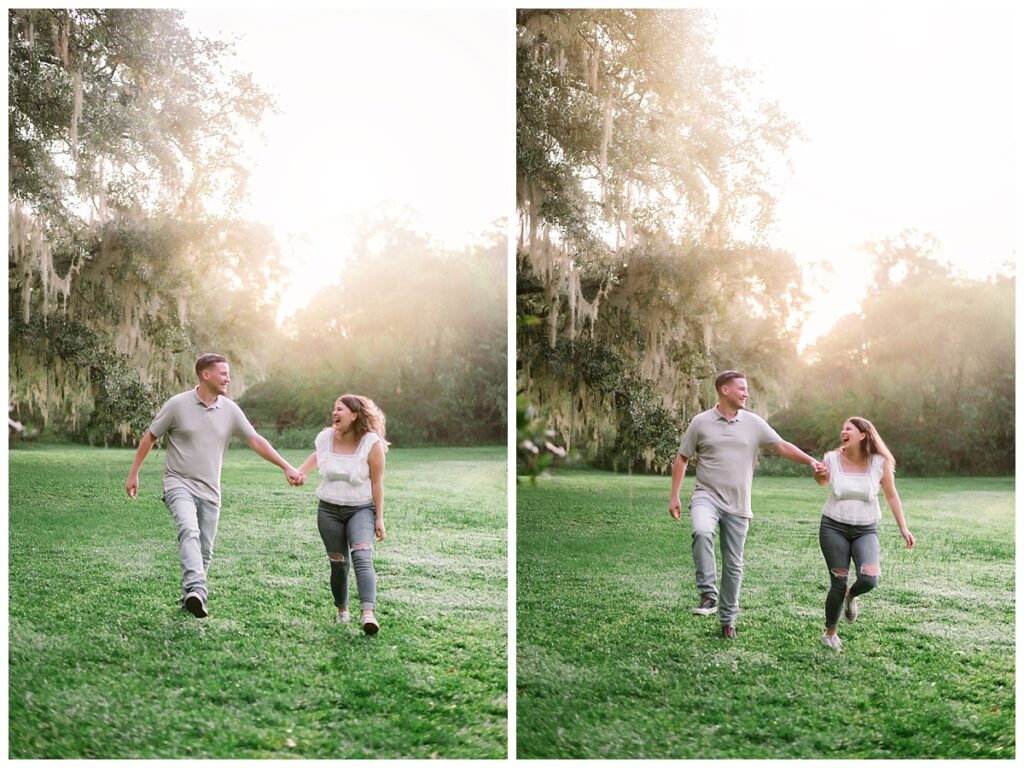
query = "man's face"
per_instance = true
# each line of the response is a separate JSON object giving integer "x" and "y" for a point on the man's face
{"x": 217, "y": 377}
{"x": 734, "y": 393}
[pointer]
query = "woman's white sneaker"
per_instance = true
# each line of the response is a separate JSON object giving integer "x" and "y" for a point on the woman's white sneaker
{"x": 370, "y": 625}
{"x": 343, "y": 617}
{"x": 832, "y": 641}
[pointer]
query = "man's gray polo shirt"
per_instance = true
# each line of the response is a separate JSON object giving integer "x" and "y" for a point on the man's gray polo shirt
{"x": 197, "y": 437}
{"x": 725, "y": 450}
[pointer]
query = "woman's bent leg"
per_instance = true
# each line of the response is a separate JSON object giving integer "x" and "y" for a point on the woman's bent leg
{"x": 865, "y": 550}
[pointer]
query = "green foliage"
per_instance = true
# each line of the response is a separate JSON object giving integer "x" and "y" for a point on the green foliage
{"x": 612, "y": 665}
{"x": 770, "y": 465}
{"x": 647, "y": 433}
{"x": 121, "y": 403}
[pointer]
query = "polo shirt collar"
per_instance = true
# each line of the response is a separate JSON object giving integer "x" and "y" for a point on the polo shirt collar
{"x": 721, "y": 416}
{"x": 199, "y": 401}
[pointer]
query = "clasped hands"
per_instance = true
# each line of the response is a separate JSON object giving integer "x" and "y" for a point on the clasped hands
{"x": 294, "y": 477}
{"x": 820, "y": 470}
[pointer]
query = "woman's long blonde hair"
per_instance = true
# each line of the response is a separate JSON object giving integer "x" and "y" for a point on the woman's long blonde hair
{"x": 369, "y": 417}
{"x": 873, "y": 442}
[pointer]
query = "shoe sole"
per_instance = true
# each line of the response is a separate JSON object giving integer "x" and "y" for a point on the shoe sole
{"x": 370, "y": 629}
{"x": 705, "y": 611}
{"x": 195, "y": 606}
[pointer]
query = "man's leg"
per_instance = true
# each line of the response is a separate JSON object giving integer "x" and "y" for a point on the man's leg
{"x": 734, "y": 536}
{"x": 207, "y": 515}
{"x": 182, "y": 506}
{"x": 704, "y": 521}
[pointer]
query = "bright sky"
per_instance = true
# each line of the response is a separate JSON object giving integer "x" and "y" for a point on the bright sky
{"x": 908, "y": 116}
{"x": 389, "y": 107}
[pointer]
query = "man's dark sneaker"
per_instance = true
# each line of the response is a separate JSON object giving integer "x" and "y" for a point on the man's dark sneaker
{"x": 196, "y": 605}
{"x": 708, "y": 605}
{"x": 728, "y": 631}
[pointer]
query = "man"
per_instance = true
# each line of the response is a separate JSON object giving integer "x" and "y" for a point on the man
{"x": 725, "y": 440}
{"x": 199, "y": 425}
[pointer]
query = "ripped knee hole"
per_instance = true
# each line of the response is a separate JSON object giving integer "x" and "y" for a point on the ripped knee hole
{"x": 361, "y": 546}
{"x": 841, "y": 573}
{"x": 336, "y": 557}
{"x": 870, "y": 570}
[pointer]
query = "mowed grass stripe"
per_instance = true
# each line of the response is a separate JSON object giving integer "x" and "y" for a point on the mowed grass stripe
{"x": 104, "y": 664}
{"x": 612, "y": 664}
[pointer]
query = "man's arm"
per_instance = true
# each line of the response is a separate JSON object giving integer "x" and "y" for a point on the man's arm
{"x": 145, "y": 446}
{"x": 675, "y": 508}
{"x": 794, "y": 454}
{"x": 263, "y": 447}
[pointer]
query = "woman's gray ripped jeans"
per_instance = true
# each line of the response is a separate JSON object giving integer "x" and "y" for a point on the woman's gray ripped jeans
{"x": 349, "y": 530}
{"x": 839, "y": 542}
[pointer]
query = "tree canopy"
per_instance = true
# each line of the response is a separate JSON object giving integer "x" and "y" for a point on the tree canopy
{"x": 644, "y": 195}
{"x": 125, "y": 130}
{"x": 127, "y": 258}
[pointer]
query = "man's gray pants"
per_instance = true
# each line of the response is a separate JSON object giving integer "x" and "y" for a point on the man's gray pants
{"x": 196, "y": 522}
{"x": 706, "y": 518}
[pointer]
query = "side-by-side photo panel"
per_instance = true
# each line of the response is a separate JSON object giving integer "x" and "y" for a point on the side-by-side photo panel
{"x": 765, "y": 377}
{"x": 258, "y": 384}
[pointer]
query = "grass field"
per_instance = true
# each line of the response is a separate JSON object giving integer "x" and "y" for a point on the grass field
{"x": 103, "y": 663}
{"x": 611, "y": 664}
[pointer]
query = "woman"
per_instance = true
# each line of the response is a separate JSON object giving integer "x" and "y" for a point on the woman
{"x": 350, "y": 457}
{"x": 850, "y": 517}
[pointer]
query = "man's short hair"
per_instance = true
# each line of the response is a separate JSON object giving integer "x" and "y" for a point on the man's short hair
{"x": 725, "y": 377}
{"x": 205, "y": 361}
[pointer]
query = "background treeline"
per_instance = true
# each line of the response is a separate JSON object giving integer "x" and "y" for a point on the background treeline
{"x": 420, "y": 330}
{"x": 929, "y": 359}
{"x": 127, "y": 258}
{"x": 645, "y": 196}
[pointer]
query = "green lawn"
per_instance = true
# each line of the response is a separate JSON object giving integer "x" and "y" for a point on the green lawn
{"x": 611, "y": 664}
{"x": 103, "y": 663}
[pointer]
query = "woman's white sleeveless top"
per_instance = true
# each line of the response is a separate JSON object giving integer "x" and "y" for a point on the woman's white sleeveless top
{"x": 854, "y": 495}
{"x": 344, "y": 479}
